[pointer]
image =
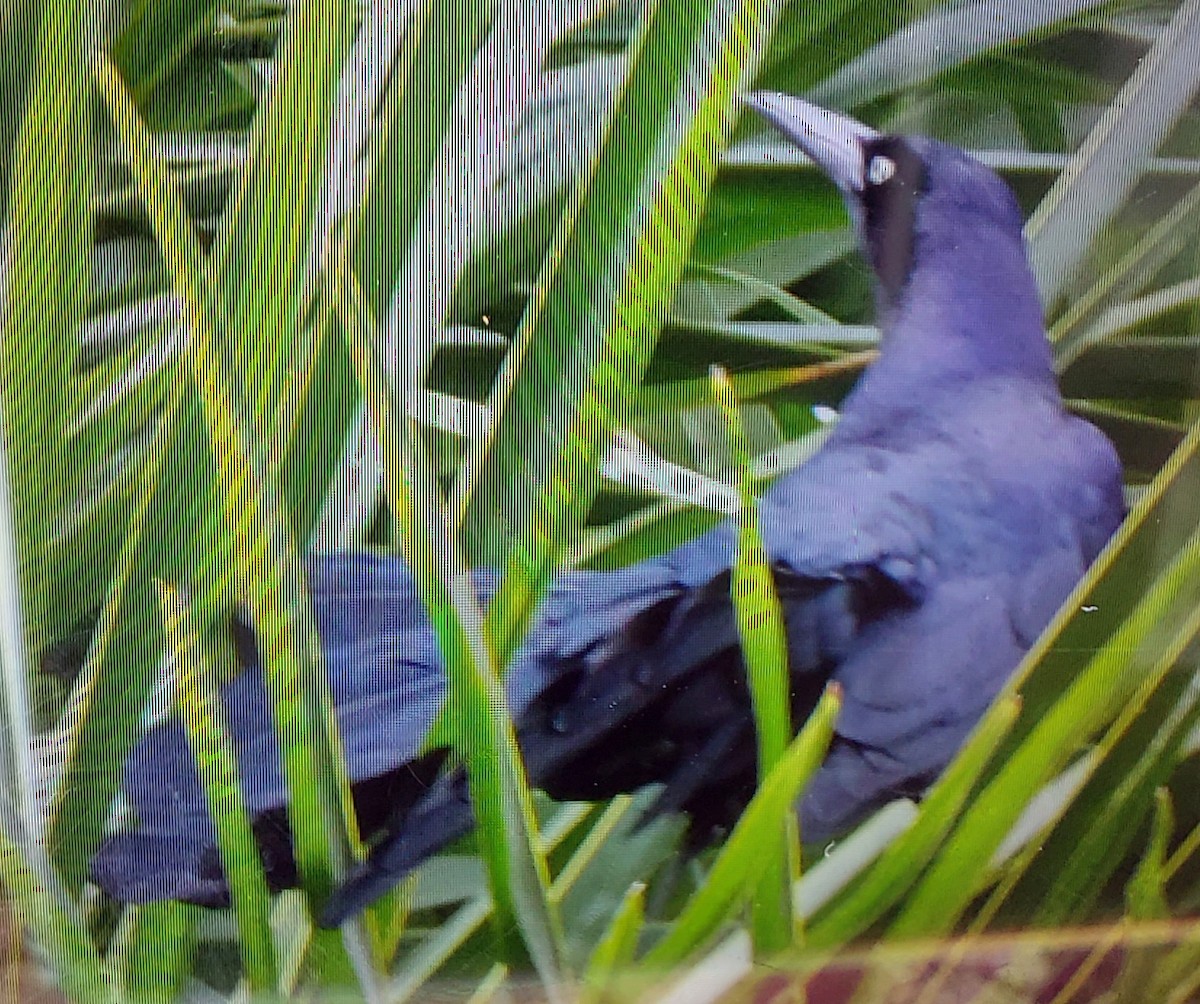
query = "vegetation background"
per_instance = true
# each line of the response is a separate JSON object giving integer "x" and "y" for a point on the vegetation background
{"x": 448, "y": 279}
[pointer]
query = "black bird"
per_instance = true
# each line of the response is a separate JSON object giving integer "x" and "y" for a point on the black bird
{"x": 917, "y": 556}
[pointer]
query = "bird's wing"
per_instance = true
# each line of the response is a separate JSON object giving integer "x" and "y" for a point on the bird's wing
{"x": 654, "y": 655}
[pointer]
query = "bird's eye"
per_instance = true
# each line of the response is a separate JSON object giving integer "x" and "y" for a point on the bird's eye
{"x": 880, "y": 169}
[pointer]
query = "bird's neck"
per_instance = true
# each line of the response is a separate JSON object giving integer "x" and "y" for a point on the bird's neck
{"x": 968, "y": 312}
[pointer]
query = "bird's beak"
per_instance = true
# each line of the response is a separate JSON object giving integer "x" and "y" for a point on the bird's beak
{"x": 834, "y": 142}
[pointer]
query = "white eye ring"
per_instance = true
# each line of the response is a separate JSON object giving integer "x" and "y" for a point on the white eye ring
{"x": 880, "y": 169}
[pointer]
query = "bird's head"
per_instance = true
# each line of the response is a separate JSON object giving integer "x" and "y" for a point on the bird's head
{"x": 933, "y": 221}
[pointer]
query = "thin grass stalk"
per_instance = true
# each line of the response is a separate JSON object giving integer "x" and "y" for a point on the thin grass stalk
{"x": 216, "y": 765}
{"x": 765, "y": 653}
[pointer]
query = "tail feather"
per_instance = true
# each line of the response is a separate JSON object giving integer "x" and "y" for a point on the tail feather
{"x": 443, "y": 817}
{"x": 387, "y": 687}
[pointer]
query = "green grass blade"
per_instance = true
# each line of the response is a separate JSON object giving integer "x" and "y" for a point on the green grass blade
{"x": 449, "y": 937}
{"x": 264, "y": 546}
{"x": 1145, "y": 893}
{"x": 436, "y": 950}
{"x": 764, "y": 651}
{"x": 711, "y": 978}
{"x": 490, "y": 985}
{"x": 152, "y": 952}
{"x": 44, "y": 283}
{"x": 845, "y": 860}
{"x": 658, "y": 527}
{"x": 1133, "y": 271}
{"x": 114, "y": 414}
{"x": 18, "y": 783}
{"x": 740, "y": 865}
{"x": 103, "y": 715}
{"x": 208, "y": 738}
{"x": 269, "y": 246}
{"x": 760, "y": 290}
{"x": 259, "y": 262}
{"x": 518, "y": 877}
{"x": 1123, "y": 317}
{"x": 156, "y": 37}
{"x": 760, "y": 383}
{"x": 43, "y": 906}
{"x": 591, "y": 845}
{"x": 185, "y": 527}
{"x": 1131, "y": 761}
{"x": 761, "y": 273}
{"x": 592, "y": 321}
{"x": 760, "y": 618}
{"x": 619, "y": 850}
{"x": 616, "y": 949}
{"x": 630, "y": 463}
{"x": 401, "y": 234}
{"x": 947, "y": 36}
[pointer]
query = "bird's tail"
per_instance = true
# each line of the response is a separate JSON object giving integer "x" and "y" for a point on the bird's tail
{"x": 440, "y": 818}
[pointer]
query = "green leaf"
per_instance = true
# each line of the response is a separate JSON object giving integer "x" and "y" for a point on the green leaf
{"x": 586, "y": 337}
{"x": 656, "y": 528}
{"x": 944, "y": 37}
{"x": 216, "y": 765}
{"x": 739, "y": 282}
{"x": 765, "y": 653}
{"x": 1145, "y": 893}
{"x": 1134, "y": 367}
{"x": 1102, "y": 172}
{"x": 44, "y": 907}
{"x": 621, "y": 849}
{"x": 615, "y": 950}
{"x": 490, "y": 985}
{"x": 403, "y": 228}
{"x": 1169, "y": 235}
{"x": 103, "y": 715}
{"x": 153, "y": 951}
{"x": 261, "y": 262}
{"x": 264, "y": 548}
{"x": 1098, "y": 826}
{"x": 457, "y": 929}
{"x": 791, "y": 306}
{"x": 156, "y": 37}
{"x": 44, "y": 284}
{"x": 188, "y": 539}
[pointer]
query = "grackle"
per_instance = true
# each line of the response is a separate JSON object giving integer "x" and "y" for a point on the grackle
{"x": 917, "y": 556}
